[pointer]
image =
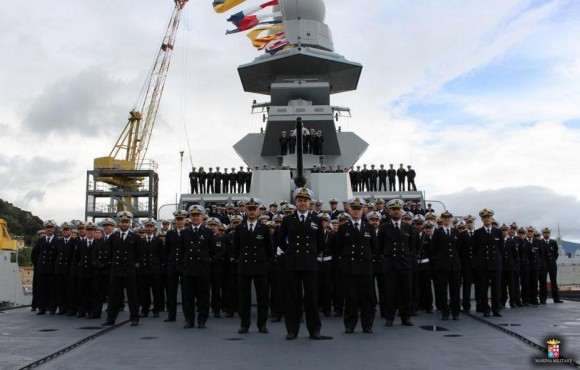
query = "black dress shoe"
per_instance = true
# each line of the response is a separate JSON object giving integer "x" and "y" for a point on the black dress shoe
{"x": 290, "y": 336}
{"x": 337, "y": 313}
{"x": 188, "y": 325}
{"x": 229, "y": 315}
{"x": 389, "y": 323}
{"x": 445, "y": 318}
{"x": 170, "y": 319}
{"x": 558, "y": 301}
{"x": 71, "y": 314}
{"x": 327, "y": 314}
{"x": 41, "y": 313}
{"x": 33, "y": 309}
{"x": 243, "y": 330}
{"x": 349, "y": 331}
{"x": 497, "y": 314}
{"x": 455, "y": 317}
{"x": 315, "y": 335}
{"x": 217, "y": 315}
{"x": 276, "y": 319}
{"x": 80, "y": 315}
{"x": 201, "y": 325}
{"x": 263, "y": 330}
{"x": 61, "y": 313}
{"x": 108, "y": 323}
{"x": 406, "y": 323}
{"x": 429, "y": 310}
{"x": 486, "y": 314}
{"x": 368, "y": 331}
{"x": 134, "y": 322}
{"x": 144, "y": 314}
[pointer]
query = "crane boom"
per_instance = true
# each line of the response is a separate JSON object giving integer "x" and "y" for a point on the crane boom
{"x": 134, "y": 139}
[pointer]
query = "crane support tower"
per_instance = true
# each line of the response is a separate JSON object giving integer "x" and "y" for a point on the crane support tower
{"x": 124, "y": 180}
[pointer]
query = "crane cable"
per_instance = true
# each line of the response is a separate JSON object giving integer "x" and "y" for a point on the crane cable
{"x": 184, "y": 84}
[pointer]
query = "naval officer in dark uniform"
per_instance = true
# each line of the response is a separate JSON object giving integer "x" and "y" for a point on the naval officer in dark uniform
{"x": 123, "y": 248}
{"x": 197, "y": 245}
{"x": 173, "y": 250}
{"x": 551, "y": 256}
{"x": 253, "y": 250}
{"x": 396, "y": 240}
{"x": 446, "y": 247}
{"x": 489, "y": 247}
{"x": 44, "y": 256}
{"x": 356, "y": 242}
{"x": 301, "y": 236}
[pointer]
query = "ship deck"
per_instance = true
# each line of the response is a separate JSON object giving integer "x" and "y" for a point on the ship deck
{"x": 513, "y": 341}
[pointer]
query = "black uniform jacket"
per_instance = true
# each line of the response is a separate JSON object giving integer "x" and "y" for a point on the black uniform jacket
{"x": 446, "y": 250}
{"x": 301, "y": 241}
{"x": 253, "y": 250}
{"x": 197, "y": 247}
{"x": 44, "y": 255}
{"x": 489, "y": 249}
{"x": 124, "y": 253}
{"x": 151, "y": 256}
{"x": 397, "y": 246}
{"x": 356, "y": 248}
{"x": 64, "y": 252}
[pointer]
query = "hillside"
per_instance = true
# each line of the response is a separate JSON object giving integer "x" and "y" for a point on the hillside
{"x": 20, "y": 222}
{"x": 570, "y": 247}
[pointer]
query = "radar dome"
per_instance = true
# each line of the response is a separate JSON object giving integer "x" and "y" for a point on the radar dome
{"x": 304, "y": 9}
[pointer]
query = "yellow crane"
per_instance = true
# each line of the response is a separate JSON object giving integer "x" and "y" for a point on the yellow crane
{"x": 122, "y": 168}
{"x": 6, "y": 242}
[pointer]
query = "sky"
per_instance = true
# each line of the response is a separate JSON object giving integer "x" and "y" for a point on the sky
{"x": 481, "y": 97}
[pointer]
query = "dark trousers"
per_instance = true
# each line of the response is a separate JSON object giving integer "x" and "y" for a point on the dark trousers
{"x": 118, "y": 286}
{"x": 383, "y": 184}
{"x": 245, "y": 298}
{"x": 72, "y": 294}
{"x": 468, "y": 277}
{"x": 100, "y": 294}
{"x": 517, "y": 291}
{"x": 338, "y": 289}
{"x": 216, "y": 282}
{"x": 392, "y": 186}
{"x": 379, "y": 292}
{"x": 163, "y": 289}
{"x": 553, "y": 272}
{"x": 85, "y": 294}
{"x": 533, "y": 286}
{"x": 230, "y": 293}
{"x": 301, "y": 288}
{"x": 354, "y": 185}
{"x": 449, "y": 280}
{"x": 411, "y": 185}
{"x": 195, "y": 291}
{"x": 402, "y": 185}
{"x": 210, "y": 187}
{"x": 525, "y": 285}
{"x": 325, "y": 287}
{"x": 61, "y": 292}
{"x": 202, "y": 187}
{"x": 425, "y": 290}
{"x": 173, "y": 280}
{"x": 34, "y": 303}
{"x": 490, "y": 279}
{"x": 358, "y": 295}
{"x": 277, "y": 292}
{"x": 240, "y": 187}
{"x": 217, "y": 186}
{"x": 226, "y": 186}
{"x": 45, "y": 292}
{"x": 414, "y": 287}
{"x": 543, "y": 280}
{"x": 373, "y": 184}
{"x": 508, "y": 287}
{"x": 194, "y": 187}
{"x": 398, "y": 293}
{"x": 146, "y": 285}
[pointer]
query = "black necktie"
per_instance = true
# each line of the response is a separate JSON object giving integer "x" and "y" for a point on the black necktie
{"x": 301, "y": 218}
{"x": 148, "y": 240}
{"x": 251, "y": 228}
{"x": 471, "y": 233}
{"x": 90, "y": 243}
{"x": 123, "y": 236}
{"x": 397, "y": 226}
{"x": 447, "y": 231}
{"x": 488, "y": 231}
{"x": 356, "y": 226}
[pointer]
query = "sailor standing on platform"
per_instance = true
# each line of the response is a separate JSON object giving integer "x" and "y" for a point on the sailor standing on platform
{"x": 123, "y": 248}
{"x": 253, "y": 250}
{"x": 356, "y": 242}
{"x": 392, "y": 175}
{"x": 304, "y": 235}
{"x": 283, "y": 140}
